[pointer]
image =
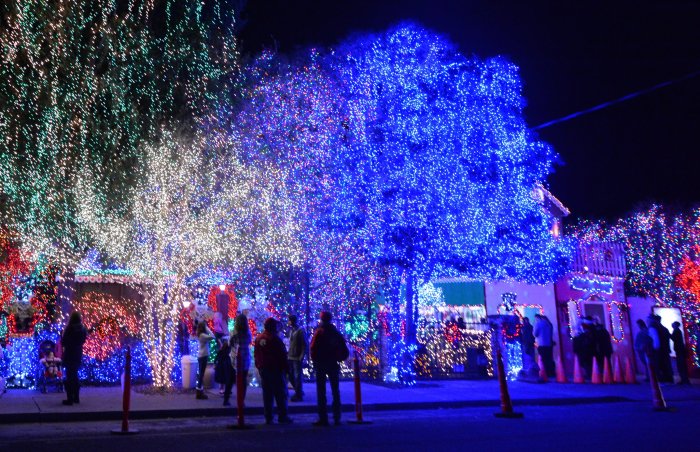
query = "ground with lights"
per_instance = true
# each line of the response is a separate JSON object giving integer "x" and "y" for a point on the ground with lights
{"x": 150, "y": 179}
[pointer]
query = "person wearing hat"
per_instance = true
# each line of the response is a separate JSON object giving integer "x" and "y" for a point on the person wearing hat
{"x": 327, "y": 346}
{"x": 662, "y": 349}
{"x": 681, "y": 354}
{"x": 271, "y": 361}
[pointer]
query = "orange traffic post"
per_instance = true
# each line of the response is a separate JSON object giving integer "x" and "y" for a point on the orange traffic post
{"x": 657, "y": 398}
{"x": 595, "y": 373}
{"x": 630, "y": 376}
{"x": 578, "y": 375}
{"x": 126, "y": 397}
{"x": 358, "y": 392}
{"x": 561, "y": 375}
{"x": 617, "y": 371}
{"x": 607, "y": 373}
{"x": 240, "y": 393}
{"x": 506, "y": 405}
{"x": 543, "y": 371}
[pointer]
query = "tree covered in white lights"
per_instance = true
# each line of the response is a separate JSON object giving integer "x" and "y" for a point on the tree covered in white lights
{"x": 190, "y": 209}
{"x": 84, "y": 85}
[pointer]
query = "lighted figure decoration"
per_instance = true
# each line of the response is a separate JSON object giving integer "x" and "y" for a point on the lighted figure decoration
{"x": 508, "y": 301}
{"x": 85, "y": 85}
{"x": 231, "y": 302}
{"x": 13, "y": 269}
{"x": 27, "y": 292}
{"x": 659, "y": 251}
{"x": 186, "y": 213}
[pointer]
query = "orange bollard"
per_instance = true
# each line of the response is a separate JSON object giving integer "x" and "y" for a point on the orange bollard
{"x": 657, "y": 398}
{"x": 506, "y": 405}
{"x": 543, "y": 371}
{"x": 607, "y": 373}
{"x": 630, "y": 377}
{"x": 126, "y": 397}
{"x": 617, "y": 371}
{"x": 561, "y": 376}
{"x": 358, "y": 392}
{"x": 578, "y": 375}
{"x": 595, "y": 377}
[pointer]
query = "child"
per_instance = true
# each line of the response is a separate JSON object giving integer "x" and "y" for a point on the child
{"x": 51, "y": 365}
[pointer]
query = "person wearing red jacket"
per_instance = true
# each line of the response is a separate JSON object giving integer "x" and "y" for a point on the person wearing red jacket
{"x": 271, "y": 361}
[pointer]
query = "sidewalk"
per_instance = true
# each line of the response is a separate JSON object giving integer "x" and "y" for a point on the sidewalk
{"x": 104, "y": 403}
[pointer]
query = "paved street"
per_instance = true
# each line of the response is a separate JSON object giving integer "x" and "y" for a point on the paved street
{"x": 439, "y": 415}
{"x": 600, "y": 427}
{"x": 105, "y": 403}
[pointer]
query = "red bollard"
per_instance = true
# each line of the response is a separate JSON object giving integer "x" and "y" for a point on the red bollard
{"x": 358, "y": 392}
{"x": 506, "y": 405}
{"x": 126, "y": 397}
{"x": 240, "y": 394}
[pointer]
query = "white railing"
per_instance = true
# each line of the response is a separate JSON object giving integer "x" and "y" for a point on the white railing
{"x": 601, "y": 259}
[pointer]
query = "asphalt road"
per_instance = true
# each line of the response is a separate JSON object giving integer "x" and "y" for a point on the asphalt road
{"x": 600, "y": 427}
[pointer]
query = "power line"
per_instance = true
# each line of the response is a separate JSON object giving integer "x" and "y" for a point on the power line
{"x": 617, "y": 101}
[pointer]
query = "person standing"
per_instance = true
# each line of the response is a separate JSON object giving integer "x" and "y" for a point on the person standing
{"x": 297, "y": 350}
{"x": 240, "y": 350}
{"x": 654, "y": 353}
{"x": 72, "y": 340}
{"x": 224, "y": 372}
{"x": 271, "y": 361}
{"x": 664, "y": 369}
{"x": 527, "y": 338}
{"x": 643, "y": 345}
{"x": 204, "y": 336}
{"x": 603, "y": 344}
{"x": 543, "y": 335}
{"x": 681, "y": 353}
{"x": 328, "y": 348}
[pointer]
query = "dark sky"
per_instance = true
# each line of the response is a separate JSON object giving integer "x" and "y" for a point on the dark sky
{"x": 573, "y": 55}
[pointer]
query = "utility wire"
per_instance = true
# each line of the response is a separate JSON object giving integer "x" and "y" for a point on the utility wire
{"x": 617, "y": 101}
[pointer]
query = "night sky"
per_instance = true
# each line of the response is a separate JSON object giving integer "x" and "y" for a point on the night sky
{"x": 572, "y": 56}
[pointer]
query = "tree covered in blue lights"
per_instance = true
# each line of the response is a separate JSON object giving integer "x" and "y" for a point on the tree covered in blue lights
{"x": 444, "y": 168}
{"x": 414, "y": 154}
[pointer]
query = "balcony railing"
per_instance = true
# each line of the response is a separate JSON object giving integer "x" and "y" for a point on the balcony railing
{"x": 606, "y": 259}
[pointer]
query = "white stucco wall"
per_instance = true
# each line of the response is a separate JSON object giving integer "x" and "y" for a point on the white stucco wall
{"x": 527, "y": 294}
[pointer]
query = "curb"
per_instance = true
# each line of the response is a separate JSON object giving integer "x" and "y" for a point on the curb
{"x": 20, "y": 418}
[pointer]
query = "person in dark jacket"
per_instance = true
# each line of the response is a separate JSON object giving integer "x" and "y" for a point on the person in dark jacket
{"x": 584, "y": 347}
{"x": 664, "y": 369}
{"x": 324, "y": 345}
{"x": 681, "y": 353}
{"x": 271, "y": 361}
{"x": 527, "y": 338}
{"x": 72, "y": 340}
{"x": 224, "y": 372}
{"x": 297, "y": 350}
{"x": 603, "y": 344}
